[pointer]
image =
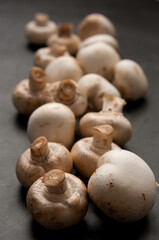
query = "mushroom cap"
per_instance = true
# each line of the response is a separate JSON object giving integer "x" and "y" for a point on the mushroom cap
{"x": 85, "y": 156}
{"x": 37, "y": 34}
{"x": 121, "y": 125}
{"x": 94, "y": 24}
{"x": 97, "y": 87}
{"x": 58, "y": 211}
{"x": 65, "y": 67}
{"x": 98, "y": 58}
{"x": 130, "y": 79}
{"x": 55, "y": 121}
{"x": 123, "y": 186}
{"x": 28, "y": 171}
{"x": 104, "y": 38}
{"x": 71, "y": 94}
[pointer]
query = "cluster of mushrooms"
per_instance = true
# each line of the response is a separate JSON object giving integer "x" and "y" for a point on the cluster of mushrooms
{"x": 80, "y": 82}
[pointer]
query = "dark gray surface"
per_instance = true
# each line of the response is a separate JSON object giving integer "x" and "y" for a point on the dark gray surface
{"x": 137, "y": 24}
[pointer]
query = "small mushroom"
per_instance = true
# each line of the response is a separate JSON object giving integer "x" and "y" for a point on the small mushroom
{"x": 41, "y": 157}
{"x": 104, "y": 38}
{"x": 123, "y": 186}
{"x": 58, "y": 200}
{"x": 97, "y": 87}
{"x": 71, "y": 94}
{"x": 66, "y": 38}
{"x": 39, "y": 30}
{"x": 130, "y": 79}
{"x": 86, "y": 151}
{"x": 65, "y": 67}
{"x": 44, "y": 56}
{"x": 93, "y": 24}
{"x": 111, "y": 115}
{"x": 98, "y": 58}
{"x": 31, "y": 93}
{"x": 54, "y": 121}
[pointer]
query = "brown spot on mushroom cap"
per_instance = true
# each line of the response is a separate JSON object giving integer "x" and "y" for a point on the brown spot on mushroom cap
{"x": 41, "y": 19}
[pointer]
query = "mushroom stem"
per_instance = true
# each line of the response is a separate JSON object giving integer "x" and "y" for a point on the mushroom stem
{"x": 102, "y": 137}
{"x": 66, "y": 91}
{"x": 65, "y": 30}
{"x": 41, "y": 19}
{"x": 39, "y": 150}
{"x": 37, "y": 79}
{"x": 112, "y": 103}
{"x": 55, "y": 181}
{"x": 57, "y": 50}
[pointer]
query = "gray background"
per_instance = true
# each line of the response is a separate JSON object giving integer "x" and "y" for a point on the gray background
{"x": 137, "y": 24}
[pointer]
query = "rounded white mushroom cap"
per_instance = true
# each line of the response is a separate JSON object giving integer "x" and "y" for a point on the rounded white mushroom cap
{"x": 54, "y": 121}
{"x": 130, "y": 79}
{"x": 123, "y": 186}
{"x": 97, "y": 87}
{"x": 98, "y": 58}
{"x": 94, "y": 24}
{"x": 104, "y": 38}
{"x": 38, "y": 30}
{"x": 65, "y": 67}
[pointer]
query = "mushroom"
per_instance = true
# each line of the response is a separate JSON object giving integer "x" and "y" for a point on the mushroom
{"x": 86, "y": 151}
{"x": 66, "y": 38}
{"x": 123, "y": 186}
{"x": 98, "y": 58}
{"x": 65, "y": 67}
{"x": 39, "y": 30}
{"x": 41, "y": 157}
{"x": 71, "y": 94}
{"x": 97, "y": 87}
{"x": 44, "y": 56}
{"x": 104, "y": 38}
{"x": 112, "y": 115}
{"x": 93, "y": 24}
{"x": 130, "y": 79}
{"x": 31, "y": 93}
{"x": 58, "y": 200}
{"x": 54, "y": 121}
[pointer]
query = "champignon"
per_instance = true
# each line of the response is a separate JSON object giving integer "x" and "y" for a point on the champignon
{"x": 71, "y": 94}
{"x": 112, "y": 115}
{"x": 41, "y": 157}
{"x": 123, "y": 186}
{"x": 98, "y": 58}
{"x": 65, "y": 67}
{"x": 86, "y": 151}
{"x": 54, "y": 121}
{"x": 58, "y": 200}
{"x": 93, "y": 24}
{"x": 39, "y": 30}
{"x": 66, "y": 38}
{"x": 97, "y": 87}
{"x": 130, "y": 79}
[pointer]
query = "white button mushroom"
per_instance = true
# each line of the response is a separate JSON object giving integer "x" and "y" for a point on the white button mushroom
{"x": 104, "y": 38}
{"x": 130, "y": 79}
{"x": 44, "y": 56}
{"x": 98, "y": 58}
{"x": 54, "y": 121}
{"x": 38, "y": 30}
{"x": 58, "y": 200}
{"x": 87, "y": 151}
{"x": 71, "y": 94}
{"x": 65, "y": 67}
{"x": 66, "y": 38}
{"x": 31, "y": 93}
{"x": 112, "y": 115}
{"x": 41, "y": 157}
{"x": 93, "y": 24}
{"x": 97, "y": 87}
{"x": 123, "y": 186}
